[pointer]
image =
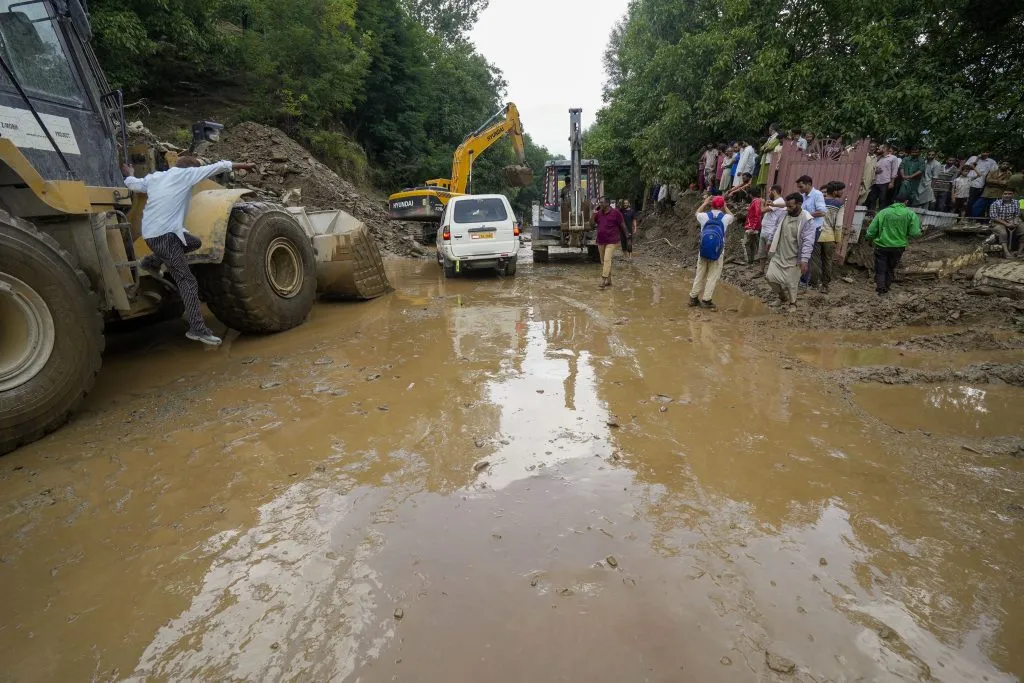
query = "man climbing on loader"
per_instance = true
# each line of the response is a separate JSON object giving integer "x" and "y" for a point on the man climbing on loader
{"x": 163, "y": 229}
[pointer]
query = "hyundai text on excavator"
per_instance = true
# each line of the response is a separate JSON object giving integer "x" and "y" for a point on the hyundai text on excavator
{"x": 426, "y": 202}
{"x": 571, "y": 189}
{"x": 70, "y": 240}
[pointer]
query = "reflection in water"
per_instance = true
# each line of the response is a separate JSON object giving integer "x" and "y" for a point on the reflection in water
{"x": 279, "y": 602}
{"x": 959, "y": 398}
{"x": 956, "y": 410}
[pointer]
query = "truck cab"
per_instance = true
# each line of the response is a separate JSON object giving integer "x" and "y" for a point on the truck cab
{"x": 551, "y": 213}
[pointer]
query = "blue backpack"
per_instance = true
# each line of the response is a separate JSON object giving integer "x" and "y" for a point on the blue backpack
{"x": 712, "y": 237}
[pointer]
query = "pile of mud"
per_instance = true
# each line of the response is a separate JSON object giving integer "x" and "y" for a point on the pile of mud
{"x": 288, "y": 173}
{"x": 671, "y": 234}
{"x": 981, "y": 373}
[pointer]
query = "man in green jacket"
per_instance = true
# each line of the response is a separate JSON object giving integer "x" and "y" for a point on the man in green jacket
{"x": 890, "y": 231}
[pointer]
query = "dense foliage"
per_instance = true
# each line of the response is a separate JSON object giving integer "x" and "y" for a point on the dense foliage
{"x": 397, "y": 77}
{"x": 681, "y": 73}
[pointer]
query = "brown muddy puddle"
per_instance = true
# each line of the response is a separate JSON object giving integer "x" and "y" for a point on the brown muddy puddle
{"x": 504, "y": 480}
{"x": 955, "y": 409}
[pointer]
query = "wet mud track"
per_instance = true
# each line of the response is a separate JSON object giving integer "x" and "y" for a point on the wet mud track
{"x": 517, "y": 479}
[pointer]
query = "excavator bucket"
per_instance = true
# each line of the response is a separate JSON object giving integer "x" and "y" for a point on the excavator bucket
{"x": 518, "y": 176}
{"x": 348, "y": 263}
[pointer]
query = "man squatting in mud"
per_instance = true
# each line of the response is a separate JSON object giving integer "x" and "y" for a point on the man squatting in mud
{"x": 163, "y": 227}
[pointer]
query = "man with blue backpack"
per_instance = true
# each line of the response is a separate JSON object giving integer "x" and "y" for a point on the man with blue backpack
{"x": 713, "y": 223}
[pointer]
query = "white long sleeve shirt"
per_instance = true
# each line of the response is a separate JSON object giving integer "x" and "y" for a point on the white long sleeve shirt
{"x": 746, "y": 165}
{"x": 169, "y": 193}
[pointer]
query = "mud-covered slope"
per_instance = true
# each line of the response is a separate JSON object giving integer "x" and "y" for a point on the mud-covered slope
{"x": 284, "y": 165}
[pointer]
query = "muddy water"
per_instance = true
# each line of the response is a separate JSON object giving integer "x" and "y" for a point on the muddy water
{"x": 508, "y": 480}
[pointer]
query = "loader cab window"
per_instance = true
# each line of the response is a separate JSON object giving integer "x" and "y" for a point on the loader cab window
{"x": 32, "y": 49}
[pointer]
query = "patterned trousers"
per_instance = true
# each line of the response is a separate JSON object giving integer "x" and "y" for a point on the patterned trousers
{"x": 169, "y": 250}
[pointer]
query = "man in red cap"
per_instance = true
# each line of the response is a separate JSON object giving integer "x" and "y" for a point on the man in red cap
{"x": 713, "y": 224}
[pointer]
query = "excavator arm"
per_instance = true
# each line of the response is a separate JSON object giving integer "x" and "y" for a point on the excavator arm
{"x": 505, "y": 122}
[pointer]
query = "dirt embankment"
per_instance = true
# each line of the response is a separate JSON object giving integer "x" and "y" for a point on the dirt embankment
{"x": 980, "y": 373}
{"x": 288, "y": 172}
{"x": 672, "y": 234}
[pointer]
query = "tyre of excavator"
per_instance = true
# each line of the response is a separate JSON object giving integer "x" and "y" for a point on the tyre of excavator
{"x": 428, "y": 235}
{"x": 51, "y": 334}
{"x": 267, "y": 280}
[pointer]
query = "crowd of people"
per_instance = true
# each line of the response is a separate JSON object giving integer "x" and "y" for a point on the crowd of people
{"x": 918, "y": 178}
{"x": 797, "y": 233}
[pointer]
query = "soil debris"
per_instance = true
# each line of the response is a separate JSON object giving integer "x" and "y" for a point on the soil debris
{"x": 482, "y": 465}
{"x": 778, "y": 663}
{"x": 612, "y": 562}
{"x": 399, "y": 613}
{"x": 284, "y": 166}
{"x": 980, "y": 373}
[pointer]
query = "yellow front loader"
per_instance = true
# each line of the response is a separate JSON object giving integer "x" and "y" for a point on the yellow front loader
{"x": 70, "y": 242}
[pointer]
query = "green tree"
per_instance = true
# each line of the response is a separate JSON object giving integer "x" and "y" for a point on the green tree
{"x": 684, "y": 73}
{"x": 447, "y": 19}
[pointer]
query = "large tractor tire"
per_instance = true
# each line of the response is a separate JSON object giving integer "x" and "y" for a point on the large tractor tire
{"x": 51, "y": 334}
{"x": 267, "y": 281}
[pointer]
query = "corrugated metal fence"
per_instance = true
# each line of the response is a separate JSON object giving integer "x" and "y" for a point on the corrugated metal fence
{"x": 824, "y": 161}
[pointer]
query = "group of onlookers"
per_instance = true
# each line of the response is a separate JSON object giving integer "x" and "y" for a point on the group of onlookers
{"x": 965, "y": 187}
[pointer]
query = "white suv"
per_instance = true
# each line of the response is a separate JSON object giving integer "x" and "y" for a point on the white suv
{"x": 478, "y": 231}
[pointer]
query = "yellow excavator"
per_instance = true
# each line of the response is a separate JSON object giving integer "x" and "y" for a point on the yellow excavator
{"x": 426, "y": 202}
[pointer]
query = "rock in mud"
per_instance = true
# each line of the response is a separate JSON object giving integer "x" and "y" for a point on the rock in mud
{"x": 249, "y": 360}
{"x": 324, "y": 361}
{"x": 612, "y": 562}
{"x": 886, "y": 633}
{"x": 373, "y": 378}
{"x": 269, "y": 385}
{"x": 482, "y": 465}
{"x": 566, "y": 592}
{"x": 822, "y": 562}
{"x": 399, "y": 613}
{"x": 663, "y": 409}
{"x": 613, "y": 422}
{"x": 725, "y": 661}
{"x": 778, "y": 663}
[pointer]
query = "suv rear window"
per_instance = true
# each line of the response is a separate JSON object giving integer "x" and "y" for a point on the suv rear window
{"x": 480, "y": 210}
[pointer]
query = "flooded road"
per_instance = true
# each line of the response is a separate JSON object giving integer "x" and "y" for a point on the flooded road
{"x": 517, "y": 479}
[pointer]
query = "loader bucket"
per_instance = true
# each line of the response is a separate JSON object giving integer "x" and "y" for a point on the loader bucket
{"x": 518, "y": 176}
{"x": 348, "y": 263}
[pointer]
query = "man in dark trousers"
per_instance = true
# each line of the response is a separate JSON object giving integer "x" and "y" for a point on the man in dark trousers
{"x": 890, "y": 231}
{"x": 163, "y": 227}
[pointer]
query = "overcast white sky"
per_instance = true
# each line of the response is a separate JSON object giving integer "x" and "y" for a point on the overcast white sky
{"x": 530, "y": 40}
